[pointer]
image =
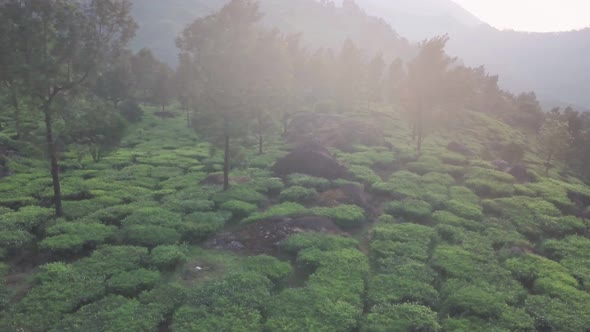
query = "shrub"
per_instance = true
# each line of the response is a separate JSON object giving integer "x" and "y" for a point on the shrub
{"x": 240, "y": 193}
{"x": 199, "y": 226}
{"x": 472, "y": 300}
{"x": 464, "y": 194}
{"x": 131, "y": 283}
{"x": 448, "y": 218}
{"x": 346, "y": 216}
{"x": 287, "y": 209}
{"x": 149, "y": 236}
{"x": 298, "y": 194}
{"x": 239, "y": 209}
{"x": 512, "y": 153}
{"x": 70, "y": 238}
{"x": 308, "y": 181}
{"x": 152, "y": 216}
{"x": 29, "y": 218}
{"x": 167, "y": 257}
{"x": 269, "y": 266}
{"x": 110, "y": 260}
{"x": 490, "y": 188}
{"x": 112, "y": 215}
{"x": 401, "y": 318}
{"x": 77, "y": 209}
{"x": 390, "y": 288}
{"x": 410, "y": 209}
{"x": 364, "y": 174}
{"x": 465, "y": 209}
{"x": 188, "y": 206}
{"x": 131, "y": 111}
{"x": 230, "y": 317}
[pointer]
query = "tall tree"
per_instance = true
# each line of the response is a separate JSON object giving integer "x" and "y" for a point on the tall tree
{"x": 162, "y": 91}
{"x": 374, "y": 79}
{"x": 219, "y": 46}
{"x": 64, "y": 42}
{"x": 425, "y": 82}
{"x": 555, "y": 140}
{"x": 350, "y": 74}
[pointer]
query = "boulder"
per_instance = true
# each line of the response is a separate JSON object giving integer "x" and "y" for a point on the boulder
{"x": 461, "y": 149}
{"x": 345, "y": 194}
{"x": 264, "y": 236}
{"x": 501, "y": 165}
{"x": 520, "y": 173}
{"x": 311, "y": 159}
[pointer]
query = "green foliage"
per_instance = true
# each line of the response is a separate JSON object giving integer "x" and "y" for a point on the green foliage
{"x": 149, "y": 236}
{"x": 152, "y": 216}
{"x": 199, "y": 226}
{"x": 364, "y": 174}
{"x": 71, "y": 237}
{"x": 241, "y": 193}
{"x": 345, "y": 216}
{"x": 391, "y": 288}
{"x": 308, "y": 181}
{"x": 410, "y": 209}
{"x": 133, "y": 282}
{"x": 298, "y": 194}
{"x": 270, "y": 267}
{"x": 110, "y": 260}
{"x": 298, "y": 242}
{"x": 287, "y": 209}
{"x": 489, "y": 183}
{"x": 239, "y": 209}
{"x": 400, "y": 318}
{"x": 230, "y": 318}
{"x": 167, "y": 257}
{"x": 465, "y": 209}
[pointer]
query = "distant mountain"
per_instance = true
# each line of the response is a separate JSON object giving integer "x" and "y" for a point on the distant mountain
{"x": 555, "y": 65}
{"x": 321, "y": 25}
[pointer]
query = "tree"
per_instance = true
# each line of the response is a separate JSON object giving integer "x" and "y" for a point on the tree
{"x": 424, "y": 85}
{"x": 555, "y": 140}
{"x": 374, "y": 81}
{"x": 144, "y": 67}
{"x": 116, "y": 82}
{"x": 219, "y": 47}
{"x": 350, "y": 72}
{"x": 395, "y": 77}
{"x": 163, "y": 85}
{"x": 64, "y": 42}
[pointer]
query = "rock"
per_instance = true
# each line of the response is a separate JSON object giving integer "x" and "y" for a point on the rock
{"x": 345, "y": 194}
{"x": 264, "y": 236}
{"x": 501, "y": 165}
{"x": 520, "y": 173}
{"x": 311, "y": 159}
{"x": 461, "y": 149}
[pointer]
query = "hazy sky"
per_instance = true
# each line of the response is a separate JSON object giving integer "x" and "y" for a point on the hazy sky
{"x": 531, "y": 15}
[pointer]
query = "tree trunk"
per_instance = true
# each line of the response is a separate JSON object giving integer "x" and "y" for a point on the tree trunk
{"x": 419, "y": 132}
{"x": 53, "y": 162}
{"x": 226, "y": 158}
{"x": 188, "y": 117}
{"x": 548, "y": 163}
{"x": 15, "y": 105}
{"x": 260, "y": 142}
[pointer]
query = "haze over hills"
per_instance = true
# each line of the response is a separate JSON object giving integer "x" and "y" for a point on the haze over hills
{"x": 558, "y": 77}
{"x": 554, "y": 65}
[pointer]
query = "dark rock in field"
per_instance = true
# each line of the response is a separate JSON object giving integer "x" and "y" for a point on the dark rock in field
{"x": 501, "y": 165}
{"x": 216, "y": 179}
{"x": 265, "y": 235}
{"x": 461, "y": 149}
{"x": 520, "y": 173}
{"x": 345, "y": 194}
{"x": 311, "y": 159}
{"x": 334, "y": 130}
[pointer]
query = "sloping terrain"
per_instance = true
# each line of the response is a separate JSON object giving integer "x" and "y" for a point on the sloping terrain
{"x": 445, "y": 242}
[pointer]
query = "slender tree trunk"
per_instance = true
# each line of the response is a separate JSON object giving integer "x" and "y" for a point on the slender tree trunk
{"x": 17, "y": 120}
{"x": 548, "y": 163}
{"x": 188, "y": 117}
{"x": 53, "y": 162}
{"x": 226, "y": 158}
{"x": 419, "y": 128}
{"x": 260, "y": 142}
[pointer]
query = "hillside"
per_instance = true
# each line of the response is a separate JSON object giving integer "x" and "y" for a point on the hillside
{"x": 551, "y": 64}
{"x": 425, "y": 230}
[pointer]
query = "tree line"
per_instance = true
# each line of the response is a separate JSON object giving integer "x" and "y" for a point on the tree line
{"x": 68, "y": 62}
